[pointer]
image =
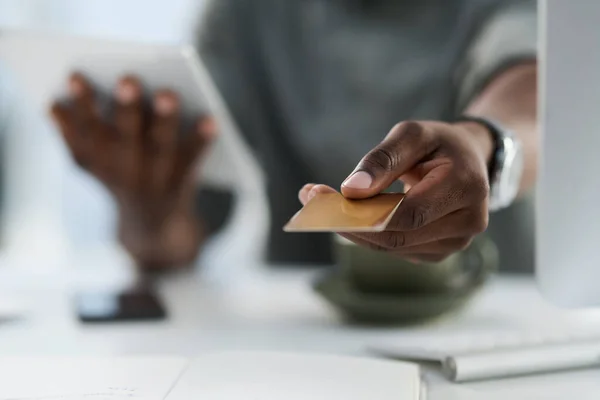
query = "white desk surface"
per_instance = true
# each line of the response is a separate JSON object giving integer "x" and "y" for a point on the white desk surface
{"x": 277, "y": 311}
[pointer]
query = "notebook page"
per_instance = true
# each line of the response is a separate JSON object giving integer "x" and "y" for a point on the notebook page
{"x": 140, "y": 378}
{"x": 276, "y": 376}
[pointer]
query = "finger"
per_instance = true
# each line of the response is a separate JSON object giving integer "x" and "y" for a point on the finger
{"x": 464, "y": 222}
{"x": 410, "y": 179}
{"x": 129, "y": 109}
{"x": 79, "y": 87}
{"x": 129, "y": 126}
{"x": 88, "y": 124}
{"x": 303, "y": 193}
{"x": 104, "y": 150}
{"x": 199, "y": 140}
{"x": 385, "y": 243}
{"x": 162, "y": 138}
{"x": 192, "y": 148}
{"x": 166, "y": 120}
{"x": 93, "y": 135}
{"x": 207, "y": 134}
{"x": 415, "y": 257}
{"x": 405, "y": 145}
{"x": 64, "y": 120}
{"x": 83, "y": 103}
{"x": 314, "y": 190}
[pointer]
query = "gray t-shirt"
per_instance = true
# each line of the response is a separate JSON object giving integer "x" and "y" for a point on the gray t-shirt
{"x": 315, "y": 84}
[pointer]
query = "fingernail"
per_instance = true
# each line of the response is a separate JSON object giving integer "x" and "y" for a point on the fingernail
{"x": 311, "y": 194}
{"x": 358, "y": 180}
{"x": 207, "y": 127}
{"x": 164, "y": 105}
{"x": 75, "y": 87}
{"x": 126, "y": 93}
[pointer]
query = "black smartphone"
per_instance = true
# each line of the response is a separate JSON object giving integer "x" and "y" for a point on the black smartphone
{"x": 131, "y": 304}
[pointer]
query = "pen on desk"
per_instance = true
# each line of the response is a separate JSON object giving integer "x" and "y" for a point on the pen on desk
{"x": 522, "y": 361}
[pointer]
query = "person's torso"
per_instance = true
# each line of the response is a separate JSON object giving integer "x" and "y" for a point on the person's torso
{"x": 341, "y": 73}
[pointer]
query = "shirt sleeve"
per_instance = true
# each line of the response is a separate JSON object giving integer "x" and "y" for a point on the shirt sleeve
{"x": 508, "y": 36}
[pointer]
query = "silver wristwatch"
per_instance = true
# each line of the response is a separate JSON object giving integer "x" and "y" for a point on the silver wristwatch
{"x": 506, "y": 166}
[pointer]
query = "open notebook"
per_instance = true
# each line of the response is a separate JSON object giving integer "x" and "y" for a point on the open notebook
{"x": 219, "y": 376}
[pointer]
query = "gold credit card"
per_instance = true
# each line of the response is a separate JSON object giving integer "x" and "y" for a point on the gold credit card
{"x": 332, "y": 212}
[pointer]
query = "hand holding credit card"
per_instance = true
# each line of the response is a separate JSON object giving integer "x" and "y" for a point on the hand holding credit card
{"x": 445, "y": 174}
{"x": 332, "y": 212}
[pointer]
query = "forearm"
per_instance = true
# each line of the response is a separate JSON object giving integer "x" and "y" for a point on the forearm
{"x": 511, "y": 99}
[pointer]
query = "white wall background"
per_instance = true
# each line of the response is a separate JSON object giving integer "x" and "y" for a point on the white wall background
{"x": 153, "y": 20}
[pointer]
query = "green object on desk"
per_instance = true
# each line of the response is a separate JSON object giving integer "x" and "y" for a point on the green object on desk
{"x": 374, "y": 287}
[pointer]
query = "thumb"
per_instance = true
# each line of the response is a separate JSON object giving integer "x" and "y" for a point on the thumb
{"x": 404, "y": 147}
{"x": 199, "y": 141}
{"x": 193, "y": 149}
{"x": 206, "y": 132}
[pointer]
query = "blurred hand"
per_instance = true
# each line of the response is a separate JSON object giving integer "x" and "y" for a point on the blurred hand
{"x": 139, "y": 152}
{"x": 444, "y": 168}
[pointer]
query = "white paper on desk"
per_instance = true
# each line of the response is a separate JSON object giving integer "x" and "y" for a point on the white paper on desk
{"x": 219, "y": 376}
{"x": 145, "y": 378}
{"x": 277, "y": 376}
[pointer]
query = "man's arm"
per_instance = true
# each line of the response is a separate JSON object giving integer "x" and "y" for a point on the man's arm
{"x": 500, "y": 78}
{"x": 511, "y": 99}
